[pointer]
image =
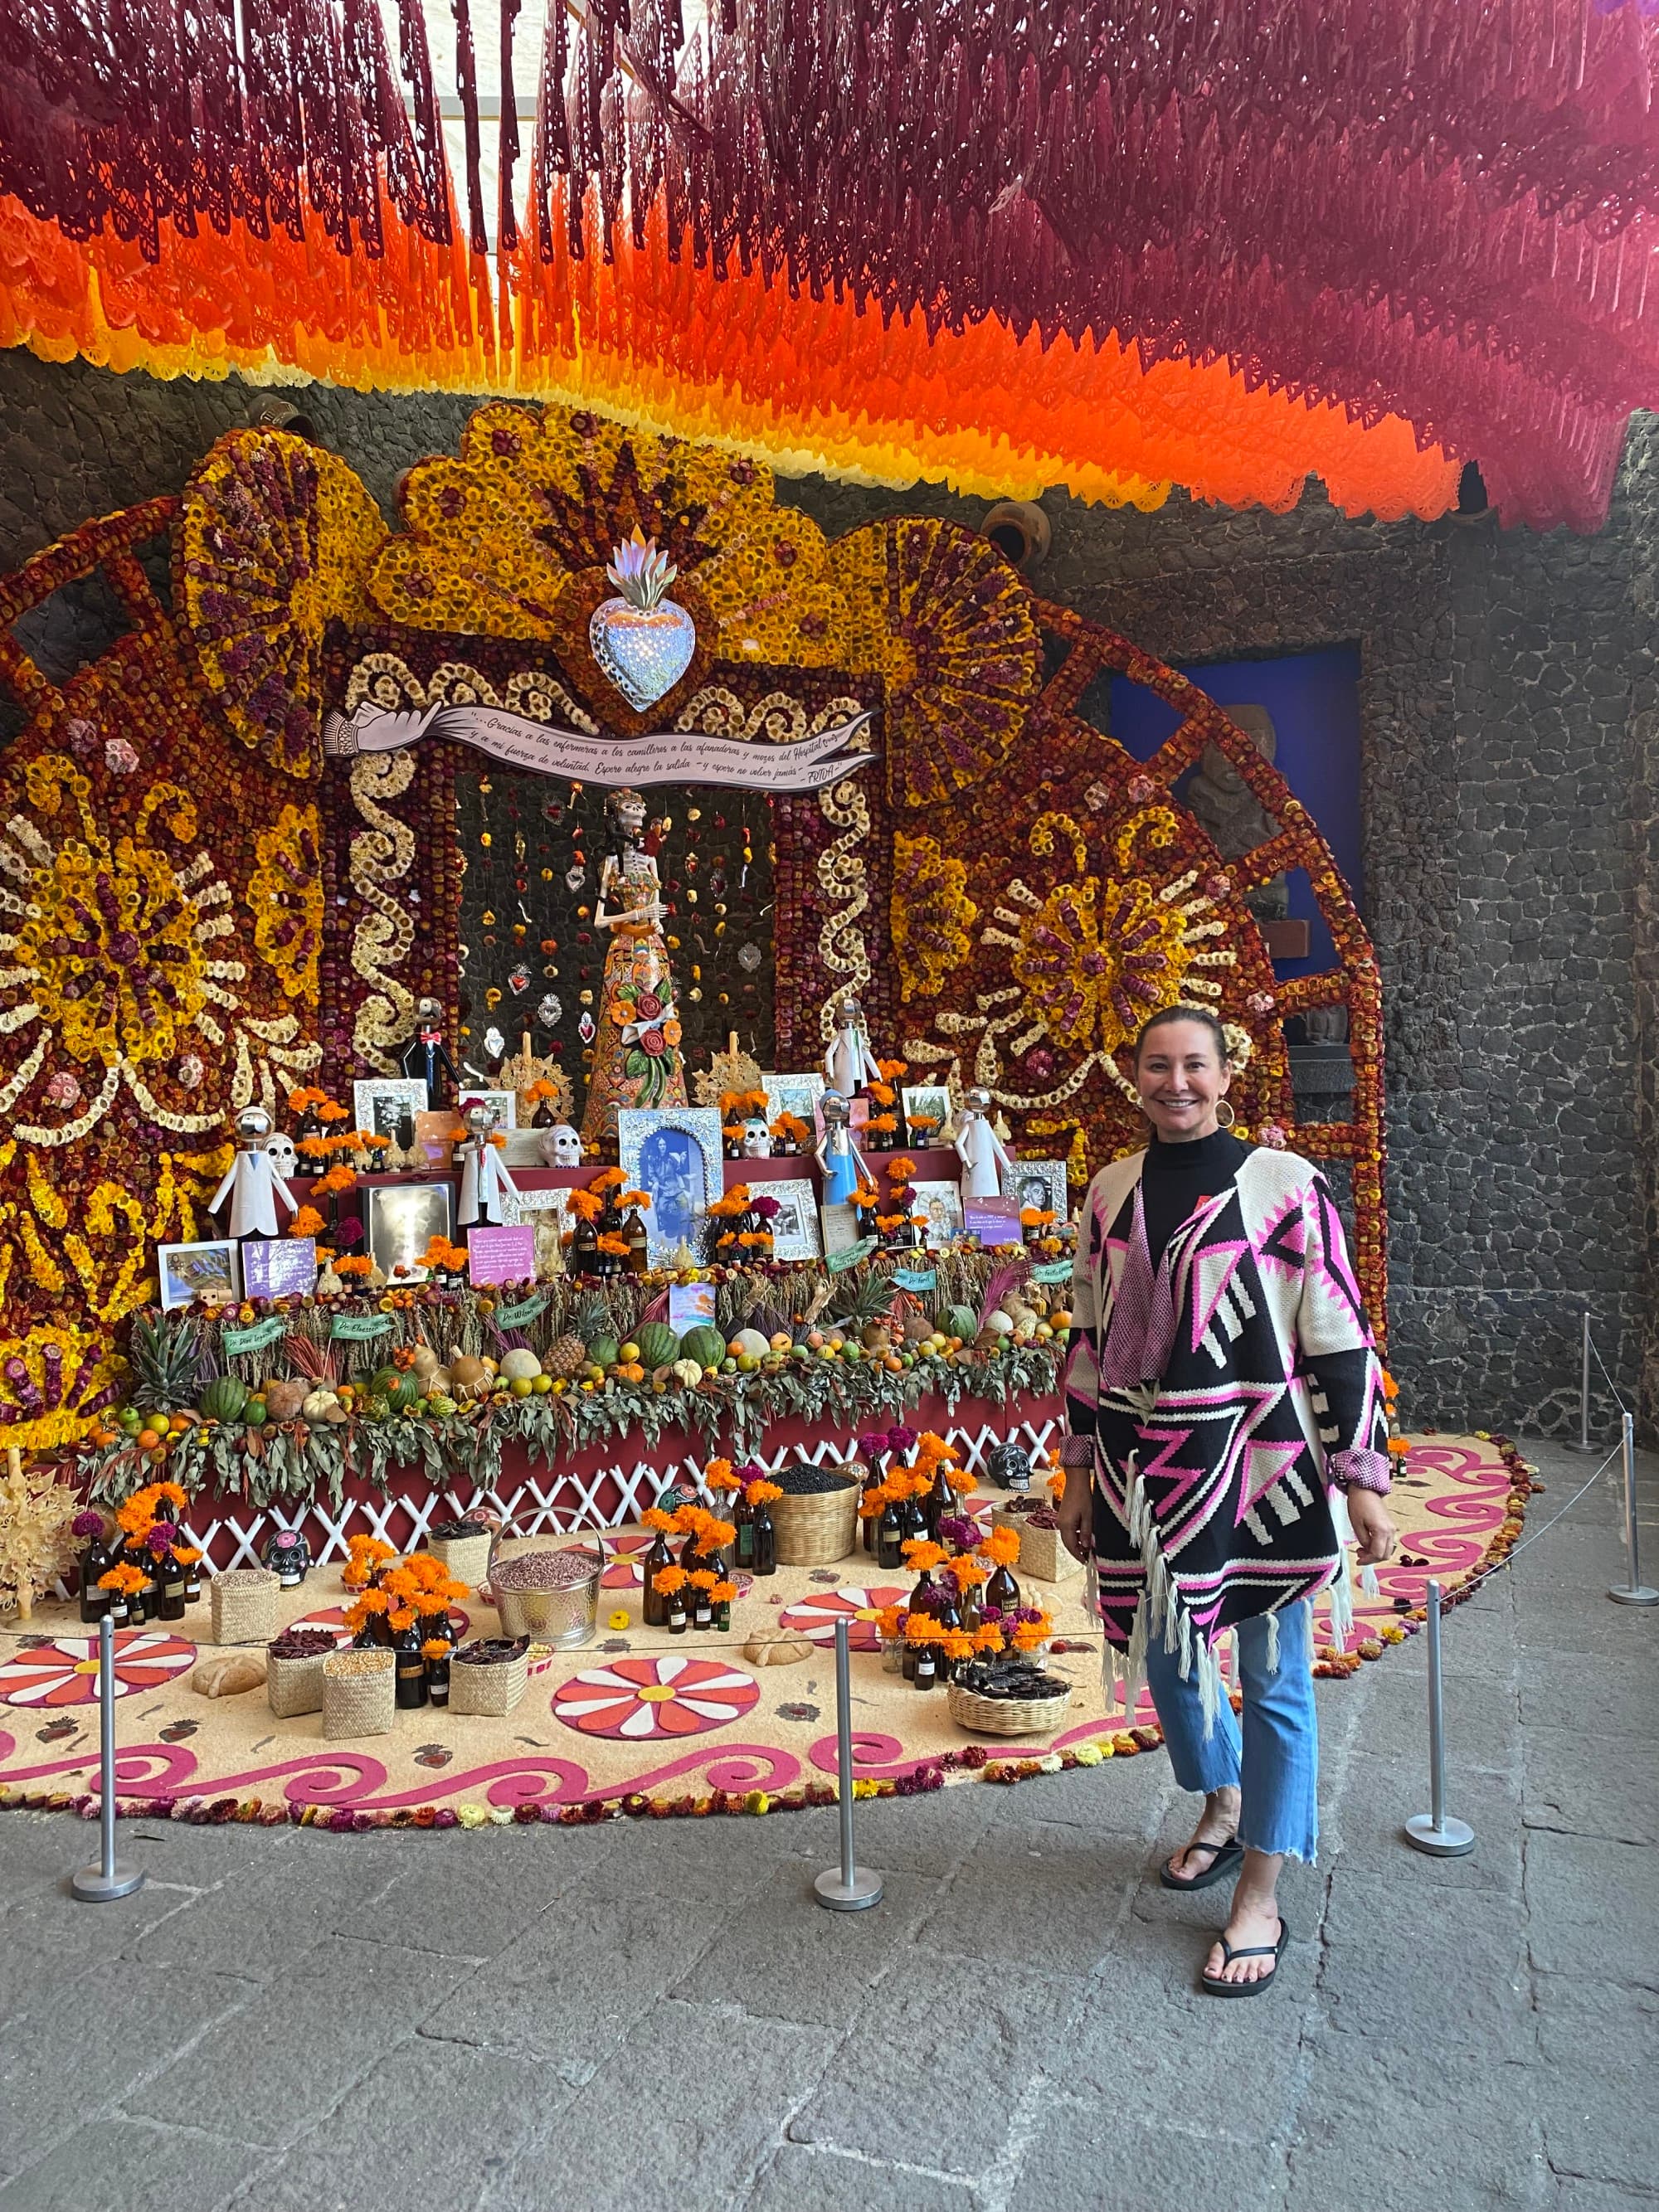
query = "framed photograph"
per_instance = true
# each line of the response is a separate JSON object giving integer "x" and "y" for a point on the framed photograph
{"x": 211, "y": 1273}
{"x": 503, "y": 1104}
{"x": 381, "y": 1104}
{"x": 673, "y": 1152}
{"x": 932, "y": 1100}
{"x": 1041, "y": 1183}
{"x": 403, "y": 1220}
{"x": 794, "y": 1094}
{"x": 795, "y": 1225}
{"x": 939, "y": 1205}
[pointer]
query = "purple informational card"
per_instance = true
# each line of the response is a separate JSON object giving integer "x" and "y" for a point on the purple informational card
{"x": 279, "y": 1266}
{"x": 993, "y": 1220}
{"x": 501, "y": 1255}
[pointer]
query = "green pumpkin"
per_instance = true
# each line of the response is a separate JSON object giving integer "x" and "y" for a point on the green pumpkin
{"x": 604, "y": 1351}
{"x": 958, "y": 1321}
{"x": 400, "y": 1387}
{"x": 660, "y": 1346}
{"x": 703, "y": 1344}
{"x": 224, "y": 1398}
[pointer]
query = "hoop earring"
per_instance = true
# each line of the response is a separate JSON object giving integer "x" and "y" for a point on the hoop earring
{"x": 1224, "y": 1115}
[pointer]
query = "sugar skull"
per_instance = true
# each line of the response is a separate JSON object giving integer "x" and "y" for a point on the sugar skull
{"x": 757, "y": 1138}
{"x": 1008, "y": 1467}
{"x": 279, "y": 1151}
{"x": 560, "y": 1146}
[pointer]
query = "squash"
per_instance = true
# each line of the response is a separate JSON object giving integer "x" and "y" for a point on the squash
{"x": 321, "y": 1405}
{"x": 284, "y": 1400}
{"x": 703, "y": 1344}
{"x": 224, "y": 1398}
{"x": 604, "y": 1351}
{"x": 1001, "y": 1322}
{"x": 425, "y": 1359}
{"x": 658, "y": 1343}
{"x": 686, "y": 1371}
{"x": 469, "y": 1377}
{"x": 750, "y": 1344}
{"x": 520, "y": 1366}
{"x": 959, "y": 1320}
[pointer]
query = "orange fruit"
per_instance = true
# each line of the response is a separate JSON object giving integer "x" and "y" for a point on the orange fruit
{"x": 147, "y": 1439}
{"x": 177, "y": 1423}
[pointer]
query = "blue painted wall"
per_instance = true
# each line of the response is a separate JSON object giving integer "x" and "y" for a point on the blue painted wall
{"x": 1314, "y": 699}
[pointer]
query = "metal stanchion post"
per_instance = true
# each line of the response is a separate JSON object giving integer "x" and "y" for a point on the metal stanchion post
{"x": 101, "y": 1884}
{"x": 847, "y": 1887}
{"x": 1635, "y": 1591}
{"x": 1432, "y": 1832}
{"x": 1583, "y": 1443}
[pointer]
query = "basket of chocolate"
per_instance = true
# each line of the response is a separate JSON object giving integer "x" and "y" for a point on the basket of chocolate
{"x": 1008, "y": 1695}
{"x": 1037, "y": 1524}
{"x": 487, "y": 1677}
{"x": 549, "y": 1594}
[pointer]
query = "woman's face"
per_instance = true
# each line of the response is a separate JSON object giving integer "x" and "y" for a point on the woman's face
{"x": 1181, "y": 1080}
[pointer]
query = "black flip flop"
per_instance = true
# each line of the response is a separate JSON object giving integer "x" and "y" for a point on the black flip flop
{"x": 1212, "y": 1987}
{"x": 1220, "y": 1867}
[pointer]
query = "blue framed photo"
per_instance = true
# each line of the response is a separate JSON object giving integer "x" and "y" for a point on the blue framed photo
{"x": 674, "y": 1153}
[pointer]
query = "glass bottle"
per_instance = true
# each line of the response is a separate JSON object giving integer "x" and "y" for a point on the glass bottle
{"x": 437, "y": 1681}
{"x": 117, "y": 1606}
{"x": 915, "y": 1519}
{"x": 170, "y": 1580}
{"x": 766, "y": 1541}
{"x": 702, "y": 1609}
{"x": 675, "y": 1613}
{"x": 411, "y": 1667}
{"x": 193, "y": 1582}
{"x": 889, "y": 1536}
{"x": 722, "y": 1614}
{"x": 150, "y": 1597}
{"x": 872, "y": 1480}
{"x": 638, "y": 1243}
{"x": 927, "y": 1674}
{"x": 743, "y": 1516}
{"x": 94, "y": 1562}
{"x": 655, "y": 1609}
{"x": 942, "y": 1501}
{"x": 1002, "y": 1591}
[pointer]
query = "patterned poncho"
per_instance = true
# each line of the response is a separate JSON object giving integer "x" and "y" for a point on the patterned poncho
{"x": 1221, "y": 1387}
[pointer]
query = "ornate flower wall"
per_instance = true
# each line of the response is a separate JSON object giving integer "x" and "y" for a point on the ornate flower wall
{"x": 200, "y": 909}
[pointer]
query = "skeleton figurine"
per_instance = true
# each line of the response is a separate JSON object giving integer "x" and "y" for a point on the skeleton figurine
{"x": 426, "y": 1058}
{"x": 985, "y": 1158}
{"x": 252, "y": 1183}
{"x": 757, "y": 1138}
{"x": 840, "y": 1160}
{"x": 484, "y": 1178}
{"x": 560, "y": 1146}
{"x": 849, "y": 1064}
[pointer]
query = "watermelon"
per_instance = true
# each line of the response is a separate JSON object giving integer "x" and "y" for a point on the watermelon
{"x": 704, "y": 1344}
{"x": 959, "y": 1320}
{"x": 224, "y": 1398}
{"x": 399, "y": 1388}
{"x": 660, "y": 1346}
{"x": 604, "y": 1351}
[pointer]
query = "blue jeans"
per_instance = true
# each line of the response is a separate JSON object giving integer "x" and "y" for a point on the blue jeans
{"x": 1274, "y": 1760}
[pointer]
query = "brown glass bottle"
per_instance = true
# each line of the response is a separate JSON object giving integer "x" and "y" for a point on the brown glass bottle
{"x": 766, "y": 1541}
{"x": 411, "y": 1669}
{"x": 1002, "y": 1591}
{"x": 742, "y": 1518}
{"x": 889, "y": 1536}
{"x": 655, "y": 1609}
{"x": 676, "y": 1620}
{"x": 94, "y": 1562}
{"x": 170, "y": 1579}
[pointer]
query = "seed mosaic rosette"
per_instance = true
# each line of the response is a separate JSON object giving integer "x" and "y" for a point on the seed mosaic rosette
{"x": 63, "y": 1671}
{"x": 661, "y": 1695}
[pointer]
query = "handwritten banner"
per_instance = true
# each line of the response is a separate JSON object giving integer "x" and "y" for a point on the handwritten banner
{"x": 359, "y": 1329}
{"x": 839, "y": 1263}
{"x": 1053, "y": 1271}
{"x": 917, "y": 1279}
{"x": 263, "y": 1333}
{"x": 670, "y": 757}
{"x": 521, "y": 1316}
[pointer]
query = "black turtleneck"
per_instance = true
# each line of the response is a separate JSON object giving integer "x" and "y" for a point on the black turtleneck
{"x": 1177, "y": 1178}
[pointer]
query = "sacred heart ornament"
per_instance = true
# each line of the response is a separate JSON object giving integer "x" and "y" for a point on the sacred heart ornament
{"x": 642, "y": 641}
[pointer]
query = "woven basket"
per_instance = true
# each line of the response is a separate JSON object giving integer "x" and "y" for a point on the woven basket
{"x": 359, "y": 1692}
{"x": 295, "y": 1686}
{"x": 466, "y": 1559}
{"x": 1005, "y": 1715}
{"x": 816, "y": 1530}
{"x": 1041, "y": 1554}
{"x": 487, "y": 1693}
{"x": 245, "y": 1606}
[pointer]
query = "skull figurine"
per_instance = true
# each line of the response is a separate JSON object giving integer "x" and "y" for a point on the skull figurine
{"x": 279, "y": 1151}
{"x": 757, "y": 1138}
{"x": 560, "y": 1146}
{"x": 1008, "y": 1467}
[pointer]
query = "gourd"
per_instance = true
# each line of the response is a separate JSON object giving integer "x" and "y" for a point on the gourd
{"x": 749, "y": 1343}
{"x": 1000, "y": 1321}
{"x": 520, "y": 1366}
{"x": 604, "y": 1351}
{"x": 284, "y": 1400}
{"x": 658, "y": 1343}
{"x": 425, "y": 1359}
{"x": 705, "y": 1344}
{"x": 224, "y": 1398}
{"x": 320, "y": 1406}
{"x": 469, "y": 1377}
{"x": 959, "y": 1320}
{"x": 687, "y": 1371}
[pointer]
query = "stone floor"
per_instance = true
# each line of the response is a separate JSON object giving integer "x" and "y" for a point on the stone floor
{"x": 657, "y": 2015}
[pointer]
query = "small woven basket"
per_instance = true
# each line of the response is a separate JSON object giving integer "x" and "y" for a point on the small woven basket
{"x": 819, "y": 1529}
{"x": 359, "y": 1692}
{"x": 466, "y": 1559}
{"x": 487, "y": 1693}
{"x": 245, "y": 1606}
{"x": 1005, "y": 1715}
{"x": 295, "y": 1686}
{"x": 1041, "y": 1554}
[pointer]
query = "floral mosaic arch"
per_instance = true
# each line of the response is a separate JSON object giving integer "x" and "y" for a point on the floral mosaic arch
{"x": 198, "y": 910}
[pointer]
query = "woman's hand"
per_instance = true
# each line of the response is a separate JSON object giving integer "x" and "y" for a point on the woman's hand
{"x": 1076, "y": 1513}
{"x": 1373, "y": 1524}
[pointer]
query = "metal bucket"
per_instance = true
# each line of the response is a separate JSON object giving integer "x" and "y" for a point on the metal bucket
{"x": 564, "y": 1617}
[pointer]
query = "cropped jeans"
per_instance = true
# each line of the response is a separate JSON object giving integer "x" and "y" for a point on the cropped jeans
{"x": 1274, "y": 1759}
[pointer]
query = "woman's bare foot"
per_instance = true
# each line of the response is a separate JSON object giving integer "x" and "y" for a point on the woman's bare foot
{"x": 1216, "y": 1825}
{"x": 1253, "y": 1923}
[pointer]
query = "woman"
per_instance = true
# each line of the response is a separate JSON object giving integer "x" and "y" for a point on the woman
{"x": 636, "y": 1055}
{"x": 1227, "y": 1431}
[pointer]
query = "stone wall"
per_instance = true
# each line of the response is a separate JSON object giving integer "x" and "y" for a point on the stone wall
{"x": 1510, "y": 705}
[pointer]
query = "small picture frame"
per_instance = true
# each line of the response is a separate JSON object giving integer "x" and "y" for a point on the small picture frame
{"x": 841, "y": 1229}
{"x": 503, "y": 1104}
{"x": 402, "y": 1219}
{"x": 939, "y": 1205}
{"x": 1041, "y": 1183}
{"x": 279, "y": 1266}
{"x": 673, "y": 1152}
{"x": 933, "y": 1101}
{"x": 794, "y": 1226}
{"x": 380, "y": 1104}
{"x": 794, "y": 1094}
{"x": 211, "y": 1273}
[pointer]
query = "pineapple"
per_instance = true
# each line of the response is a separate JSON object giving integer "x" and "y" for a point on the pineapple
{"x": 866, "y": 1311}
{"x": 166, "y": 1355}
{"x": 569, "y": 1353}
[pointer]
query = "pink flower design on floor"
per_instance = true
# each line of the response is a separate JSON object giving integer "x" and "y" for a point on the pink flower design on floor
{"x": 663, "y": 1695}
{"x": 332, "y": 1617}
{"x": 64, "y": 1672}
{"x": 625, "y": 1571}
{"x": 815, "y": 1617}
